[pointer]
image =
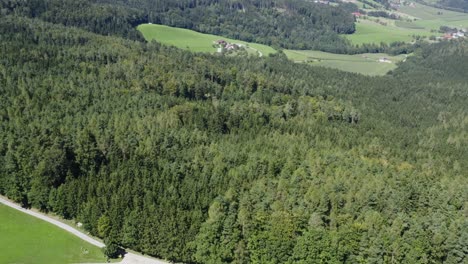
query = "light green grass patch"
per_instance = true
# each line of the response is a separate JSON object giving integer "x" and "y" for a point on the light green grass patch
{"x": 425, "y": 12}
{"x": 432, "y": 18}
{"x": 427, "y": 19}
{"x": 192, "y": 40}
{"x": 28, "y": 240}
{"x": 367, "y": 63}
{"x": 198, "y": 42}
{"x": 371, "y": 32}
{"x": 406, "y": 24}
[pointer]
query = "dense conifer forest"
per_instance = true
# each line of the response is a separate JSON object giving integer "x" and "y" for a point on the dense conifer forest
{"x": 212, "y": 159}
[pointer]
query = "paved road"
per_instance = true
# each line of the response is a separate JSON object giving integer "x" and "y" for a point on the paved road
{"x": 130, "y": 258}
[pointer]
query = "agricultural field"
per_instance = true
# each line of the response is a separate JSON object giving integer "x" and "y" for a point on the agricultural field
{"x": 417, "y": 20}
{"x": 194, "y": 41}
{"x": 367, "y": 64}
{"x": 26, "y": 239}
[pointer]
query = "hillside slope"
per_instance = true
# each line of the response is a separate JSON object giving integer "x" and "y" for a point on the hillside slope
{"x": 287, "y": 24}
{"x": 208, "y": 159}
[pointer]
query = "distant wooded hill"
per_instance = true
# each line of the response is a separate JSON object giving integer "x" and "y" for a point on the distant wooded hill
{"x": 292, "y": 24}
{"x": 288, "y": 24}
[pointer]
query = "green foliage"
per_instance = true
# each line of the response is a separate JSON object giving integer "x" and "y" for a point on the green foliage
{"x": 293, "y": 24}
{"x": 103, "y": 226}
{"x": 218, "y": 238}
{"x": 99, "y": 18}
{"x": 112, "y": 249}
{"x": 458, "y": 5}
{"x": 210, "y": 159}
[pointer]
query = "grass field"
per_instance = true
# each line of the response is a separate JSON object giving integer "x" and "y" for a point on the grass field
{"x": 433, "y": 18}
{"x": 426, "y": 19}
{"x": 367, "y": 64}
{"x": 192, "y": 40}
{"x": 425, "y": 12}
{"x": 371, "y": 32}
{"x": 28, "y": 240}
{"x": 407, "y": 24}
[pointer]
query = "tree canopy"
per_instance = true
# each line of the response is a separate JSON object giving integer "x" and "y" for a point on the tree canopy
{"x": 215, "y": 159}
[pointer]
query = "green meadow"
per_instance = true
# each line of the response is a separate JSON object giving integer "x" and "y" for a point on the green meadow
{"x": 28, "y": 240}
{"x": 198, "y": 42}
{"x": 368, "y": 31}
{"x": 417, "y": 20}
{"x": 432, "y": 18}
{"x": 367, "y": 64}
{"x": 425, "y": 12}
{"x": 363, "y": 5}
{"x": 192, "y": 40}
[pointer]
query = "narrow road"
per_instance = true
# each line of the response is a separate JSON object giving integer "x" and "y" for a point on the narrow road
{"x": 129, "y": 258}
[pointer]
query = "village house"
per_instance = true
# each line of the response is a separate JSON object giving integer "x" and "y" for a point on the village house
{"x": 454, "y": 35}
{"x": 447, "y": 36}
{"x": 220, "y": 42}
{"x": 460, "y": 34}
{"x": 395, "y": 4}
{"x": 223, "y": 45}
{"x": 231, "y": 46}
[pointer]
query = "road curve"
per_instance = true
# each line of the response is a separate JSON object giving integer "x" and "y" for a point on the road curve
{"x": 129, "y": 258}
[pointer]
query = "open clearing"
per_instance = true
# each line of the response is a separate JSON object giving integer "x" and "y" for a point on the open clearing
{"x": 368, "y": 31}
{"x": 26, "y": 239}
{"x": 417, "y": 20}
{"x": 198, "y": 42}
{"x": 192, "y": 40}
{"x": 367, "y": 64}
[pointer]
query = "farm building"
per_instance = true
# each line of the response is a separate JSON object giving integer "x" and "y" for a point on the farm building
{"x": 386, "y": 60}
{"x": 220, "y": 42}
